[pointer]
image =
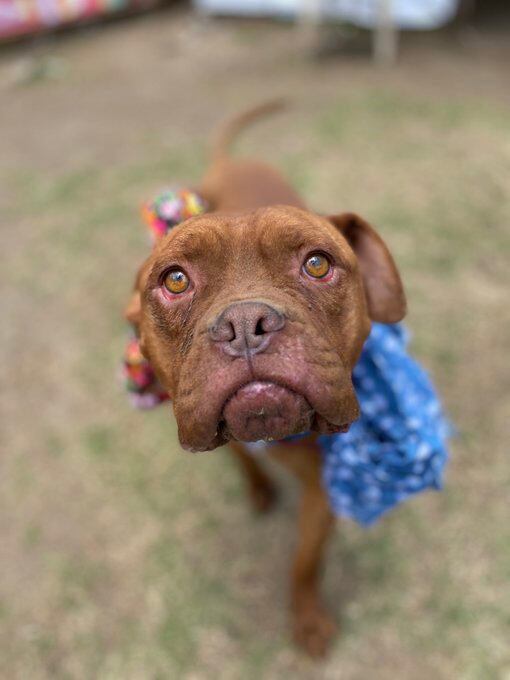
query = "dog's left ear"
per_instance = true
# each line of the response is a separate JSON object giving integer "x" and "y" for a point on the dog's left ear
{"x": 133, "y": 309}
{"x": 384, "y": 292}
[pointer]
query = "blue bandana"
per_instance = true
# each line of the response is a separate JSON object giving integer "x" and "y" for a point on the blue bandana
{"x": 398, "y": 445}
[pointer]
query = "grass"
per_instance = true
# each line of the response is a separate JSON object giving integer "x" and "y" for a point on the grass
{"x": 125, "y": 558}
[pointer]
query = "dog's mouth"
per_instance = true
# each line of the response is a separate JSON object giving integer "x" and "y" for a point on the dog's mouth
{"x": 265, "y": 410}
{"x": 273, "y": 404}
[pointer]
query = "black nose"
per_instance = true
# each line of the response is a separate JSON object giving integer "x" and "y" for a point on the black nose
{"x": 246, "y": 327}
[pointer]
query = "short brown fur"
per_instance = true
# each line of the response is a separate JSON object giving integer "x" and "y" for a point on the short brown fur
{"x": 247, "y": 248}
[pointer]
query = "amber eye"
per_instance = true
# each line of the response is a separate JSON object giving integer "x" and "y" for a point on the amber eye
{"x": 176, "y": 281}
{"x": 317, "y": 265}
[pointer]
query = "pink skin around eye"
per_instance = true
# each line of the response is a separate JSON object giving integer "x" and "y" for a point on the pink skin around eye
{"x": 165, "y": 294}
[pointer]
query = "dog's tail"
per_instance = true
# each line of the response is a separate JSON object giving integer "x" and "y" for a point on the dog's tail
{"x": 224, "y": 138}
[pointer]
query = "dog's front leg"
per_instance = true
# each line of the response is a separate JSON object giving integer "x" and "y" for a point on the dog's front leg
{"x": 261, "y": 490}
{"x": 312, "y": 625}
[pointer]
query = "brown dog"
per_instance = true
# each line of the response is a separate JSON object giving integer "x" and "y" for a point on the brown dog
{"x": 253, "y": 316}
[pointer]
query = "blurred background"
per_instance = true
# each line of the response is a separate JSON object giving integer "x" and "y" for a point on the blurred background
{"x": 123, "y": 557}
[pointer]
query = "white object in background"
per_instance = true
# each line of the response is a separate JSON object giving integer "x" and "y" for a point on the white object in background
{"x": 407, "y": 14}
{"x": 310, "y": 16}
{"x": 385, "y": 42}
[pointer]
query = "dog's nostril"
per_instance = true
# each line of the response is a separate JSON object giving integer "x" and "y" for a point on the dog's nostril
{"x": 223, "y": 332}
{"x": 259, "y": 328}
{"x": 271, "y": 322}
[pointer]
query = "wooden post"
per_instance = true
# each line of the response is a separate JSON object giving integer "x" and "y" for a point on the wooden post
{"x": 309, "y": 20}
{"x": 385, "y": 44}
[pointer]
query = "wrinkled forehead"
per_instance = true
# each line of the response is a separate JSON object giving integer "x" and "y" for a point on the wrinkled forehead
{"x": 268, "y": 232}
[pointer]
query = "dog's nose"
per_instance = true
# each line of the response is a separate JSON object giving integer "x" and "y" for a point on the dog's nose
{"x": 246, "y": 327}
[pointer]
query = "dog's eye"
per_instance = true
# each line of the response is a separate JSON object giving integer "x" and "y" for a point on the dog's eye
{"x": 317, "y": 265}
{"x": 176, "y": 281}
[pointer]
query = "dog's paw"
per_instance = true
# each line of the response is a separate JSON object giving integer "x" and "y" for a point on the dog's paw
{"x": 263, "y": 497}
{"x": 314, "y": 630}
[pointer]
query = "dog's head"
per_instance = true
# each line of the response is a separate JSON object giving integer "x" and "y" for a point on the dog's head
{"x": 253, "y": 322}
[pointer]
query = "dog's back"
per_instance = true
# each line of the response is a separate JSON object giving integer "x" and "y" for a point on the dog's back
{"x": 233, "y": 184}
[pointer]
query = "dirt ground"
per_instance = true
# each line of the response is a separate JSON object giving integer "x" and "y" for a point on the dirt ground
{"x": 121, "y": 556}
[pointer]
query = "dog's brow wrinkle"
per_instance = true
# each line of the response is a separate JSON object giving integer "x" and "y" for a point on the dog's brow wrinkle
{"x": 191, "y": 244}
{"x": 289, "y": 238}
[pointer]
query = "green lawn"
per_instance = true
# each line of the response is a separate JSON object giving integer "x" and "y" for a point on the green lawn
{"x": 124, "y": 557}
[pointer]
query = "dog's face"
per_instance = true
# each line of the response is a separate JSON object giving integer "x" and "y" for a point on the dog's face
{"x": 253, "y": 322}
